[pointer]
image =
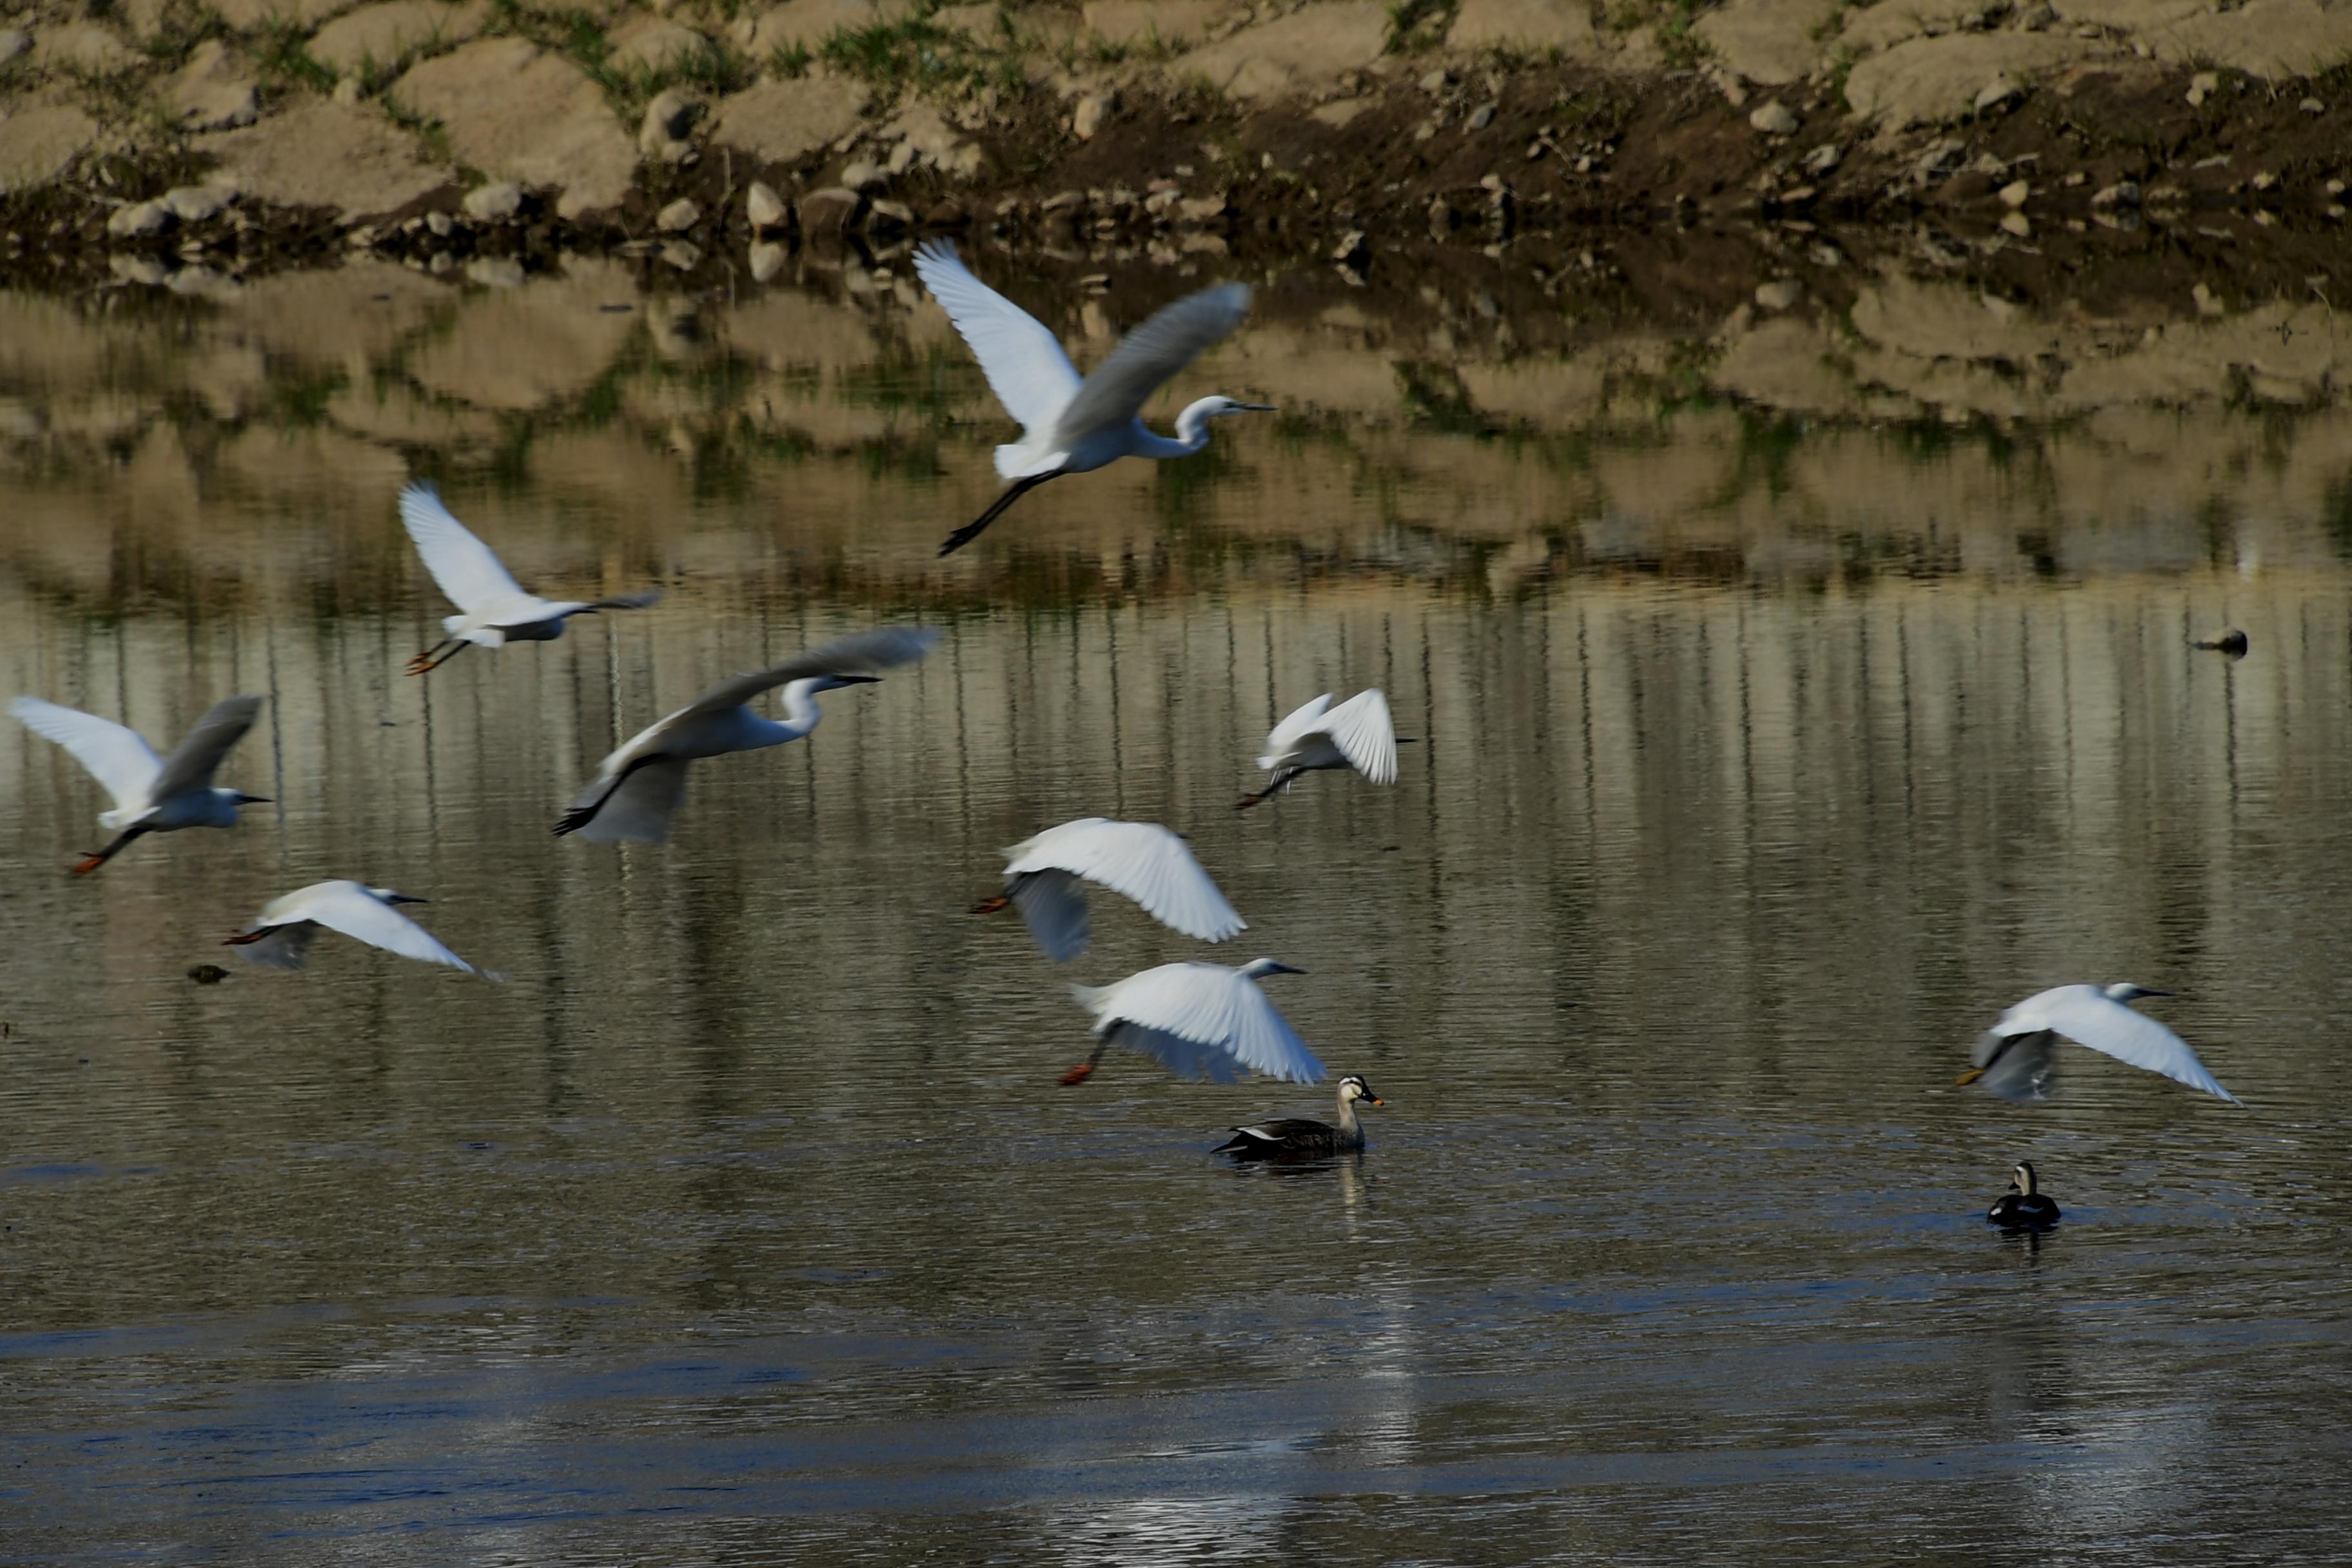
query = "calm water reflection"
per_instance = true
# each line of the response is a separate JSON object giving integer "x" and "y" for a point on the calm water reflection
{"x": 745, "y": 1224}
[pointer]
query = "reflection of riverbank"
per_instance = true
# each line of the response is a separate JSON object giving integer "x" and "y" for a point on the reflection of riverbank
{"x": 1928, "y": 427}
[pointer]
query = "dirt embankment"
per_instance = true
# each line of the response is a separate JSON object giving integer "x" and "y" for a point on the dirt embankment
{"x": 1670, "y": 155}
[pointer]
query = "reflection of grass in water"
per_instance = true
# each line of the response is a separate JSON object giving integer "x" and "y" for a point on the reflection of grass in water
{"x": 898, "y": 457}
{"x": 1435, "y": 399}
{"x": 300, "y": 402}
{"x": 1767, "y": 445}
{"x": 2336, "y": 516}
{"x": 1179, "y": 485}
{"x": 932, "y": 387}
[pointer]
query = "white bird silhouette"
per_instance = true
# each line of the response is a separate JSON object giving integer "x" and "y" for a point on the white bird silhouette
{"x": 1047, "y": 876}
{"x": 638, "y": 789}
{"x": 1356, "y": 734}
{"x": 2017, "y": 1059}
{"x": 494, "y": 609}
{"x": 152, "y": 793}
{"x": 1069, "y": 426}
{"x": 1200, "y": 1020}
{"x": 280, "y": 936}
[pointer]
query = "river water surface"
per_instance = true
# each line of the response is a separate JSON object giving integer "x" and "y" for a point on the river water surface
{"x": 1767, "y": 753}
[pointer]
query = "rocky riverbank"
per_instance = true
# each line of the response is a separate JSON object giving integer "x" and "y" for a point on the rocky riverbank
{"x": 181, "y": 145}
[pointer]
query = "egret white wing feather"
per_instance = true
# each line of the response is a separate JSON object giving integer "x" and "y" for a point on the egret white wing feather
{"x": 1148, "y": 358}
{"x": 285, "y": 946}
{"x": 1360, "y": 727}
{"x": 118, "y": 757}
{"x": 1209, "y": 1005}
{"x": 1303, "y": 721}
{"x": 194, "y": 760}
{"x": 2087, "y": 1016}
{"x": 350, "y": 908}
{"x": 465, "y": 567}
{"x": 1141, "y": 860}
{"x": 860, "y": 653}
{"x": 1019, "y": 354}
{"x": 639, "y": 808}
{"x": 1054, "y": 904}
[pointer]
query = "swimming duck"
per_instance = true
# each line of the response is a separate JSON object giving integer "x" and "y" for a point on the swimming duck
{"x": 1303, "y": 1138}
{"x": 2025, "y": 1206}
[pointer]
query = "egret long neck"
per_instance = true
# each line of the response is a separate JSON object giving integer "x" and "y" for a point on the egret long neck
{"x": 1192, "y": 434}
{"x": 801, "y": 711}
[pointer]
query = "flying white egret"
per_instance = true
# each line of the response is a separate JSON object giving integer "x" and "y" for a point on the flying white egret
{"x": 280, "y": 936}
{"x": 638, "y": 788}
{"x": 1046, "y": 882}
{"x": 2017, "y": 1057}
{"x": 1356, "y": 734}
{"x": 152, "y": 793}
{"x": 495, "y": 608}
{"x": 1199, "y": 1020}
{"x": 1069, "y": 426}
{"x": 1303, "y": 1137}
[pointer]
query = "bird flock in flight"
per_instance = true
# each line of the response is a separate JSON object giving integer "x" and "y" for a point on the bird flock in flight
{"x": 1200, "y": 1020}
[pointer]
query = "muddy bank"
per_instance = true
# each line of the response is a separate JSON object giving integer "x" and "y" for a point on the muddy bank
{"x": 172, "y": 144}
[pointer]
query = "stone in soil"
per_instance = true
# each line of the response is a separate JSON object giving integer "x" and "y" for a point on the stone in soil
{"x": 14, "y": 41}
{"x": 1533, "y": 25}
{"x": 387, "y": 34}
{"x": 139, "y": 218}
{"x": 212, "y": 91}
{"x": 495, "y": 202}
{"x": 78, "y": 47}
{"x": 1271, "y": 59}
{"x": 763, "y": 209}
{"x": 1175, "y": 22}
{"x": 321, "y": 153}
{"x": 1774, "y": 119}
{"x": 678, "y": 217}
{"x": 40, "y": 141}
{"x": 656, "y": 44}
{"x": 1767, "y": 42}
{"x": 662, "y": 133}
{"x": 807, "y": 23}
{"x": 1928, "y": 82}
{"x": 782, "y": 121}
{"x": 513, "y": 110}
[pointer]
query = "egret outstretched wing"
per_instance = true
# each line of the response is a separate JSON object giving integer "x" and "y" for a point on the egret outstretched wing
{"x": 636, "y": 806}
{"x": 1303, "y": 721}
{"x": 350, "y": 908}
{"x": 1202, "y": 1005}
{"x": 1148, "y": 358}
{"x": 2088, "y": 1016}
{"x": 193, "y": 760}
{"x": 860, "y": 653}
{"x": 1360, "y": 727}
{"x": 1019, "y": 354}
{"x": 123, "y": 763}
{"x": 1054, "y": 906}
{"x": 462, "y": 564}
{"x": 1142, "y": 860}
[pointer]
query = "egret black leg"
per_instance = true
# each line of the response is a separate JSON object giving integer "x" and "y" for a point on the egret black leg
{"x": 1273, "y": 786}
{"x": 1012, "y": 492}
{"x": 89, "y": 863}
{"x": 425, "y": 661}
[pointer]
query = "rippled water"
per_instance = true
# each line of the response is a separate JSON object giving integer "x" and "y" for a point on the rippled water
{"x": 745, "y": 1223}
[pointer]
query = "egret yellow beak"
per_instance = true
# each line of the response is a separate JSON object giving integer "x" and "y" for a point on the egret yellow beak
{"x": 1970, "y": 1076}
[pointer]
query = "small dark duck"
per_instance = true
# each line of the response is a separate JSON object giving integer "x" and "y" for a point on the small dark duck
{"x": 2025, "y": 1206}
{"x": 1303, "y": 1138}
